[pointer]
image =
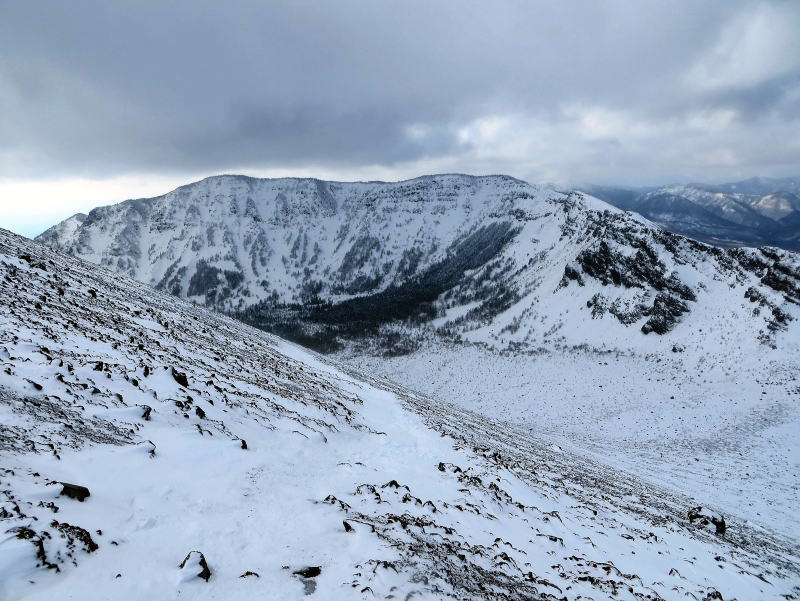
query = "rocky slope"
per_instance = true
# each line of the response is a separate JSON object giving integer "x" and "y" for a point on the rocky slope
{"x": 585, "y": 325}
{"x": 152, "y": 449}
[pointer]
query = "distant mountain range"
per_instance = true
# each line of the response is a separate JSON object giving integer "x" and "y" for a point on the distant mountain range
{"x": 755, "y": 212}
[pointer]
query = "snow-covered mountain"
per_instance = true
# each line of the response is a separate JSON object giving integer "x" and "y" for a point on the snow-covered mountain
{"x": 152, "y": 449}
{"x": 757, "y": 211}
{"x": 585, "y": 325}
{"x": 485, "y": 259}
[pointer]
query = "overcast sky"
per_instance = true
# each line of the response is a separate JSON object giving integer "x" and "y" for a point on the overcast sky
{"x": 103, "y": 101}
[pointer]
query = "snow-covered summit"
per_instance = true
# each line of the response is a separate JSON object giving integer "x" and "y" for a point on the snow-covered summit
{"x": 519, "y": 265}
{"x": 232, "y": 241}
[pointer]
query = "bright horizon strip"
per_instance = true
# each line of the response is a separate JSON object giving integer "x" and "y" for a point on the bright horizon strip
{"x": 29, "y": 207}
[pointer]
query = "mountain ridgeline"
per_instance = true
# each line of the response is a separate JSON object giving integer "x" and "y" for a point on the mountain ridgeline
{"x": 754, "y": 212}
{"x": 488, "y": 260}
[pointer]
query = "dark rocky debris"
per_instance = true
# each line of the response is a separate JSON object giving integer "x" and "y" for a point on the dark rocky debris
{"x": 248, "y": 574}
{"x": 180, "y": 378}
{"x": 705, "y": 517}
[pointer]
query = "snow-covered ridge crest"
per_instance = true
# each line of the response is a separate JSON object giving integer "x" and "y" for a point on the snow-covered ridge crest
{"x": 152, "y": 448}
{"x": 258, "y": 233}
{"x": 538, "y": 267}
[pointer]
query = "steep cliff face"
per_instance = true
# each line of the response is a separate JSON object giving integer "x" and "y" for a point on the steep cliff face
{"x": 232, "y": 241}
{"x": 491, "y": 260}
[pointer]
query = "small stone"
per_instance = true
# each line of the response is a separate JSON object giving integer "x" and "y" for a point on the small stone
{"x": 703, "y": 516}
{"x": 309, "y": 572}
{"x": 74, "y": 491}
{"x": 196, "y": 560}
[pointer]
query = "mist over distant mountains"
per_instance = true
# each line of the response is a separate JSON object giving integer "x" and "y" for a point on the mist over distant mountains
{"x": 759, "y": 211}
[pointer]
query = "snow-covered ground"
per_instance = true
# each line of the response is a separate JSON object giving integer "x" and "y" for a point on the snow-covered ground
{"x": 294, "y": 475}
{"x": 699, "y": 426}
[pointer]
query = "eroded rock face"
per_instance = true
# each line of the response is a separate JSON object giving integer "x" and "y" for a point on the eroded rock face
{"x": 643, "y": 270}
{"x": 702, "y": 516}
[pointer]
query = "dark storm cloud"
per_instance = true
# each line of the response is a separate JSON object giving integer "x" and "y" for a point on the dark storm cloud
{"x": 569, "y": 90}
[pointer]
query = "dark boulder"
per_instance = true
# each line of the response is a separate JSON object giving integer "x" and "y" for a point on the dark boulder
{"x": 306, "y": 576}
{"x": 309, "y": 572}
{"x": 702, "y": 516}
{"x": 74, "y": 491}
{"x": 180, "y": 378}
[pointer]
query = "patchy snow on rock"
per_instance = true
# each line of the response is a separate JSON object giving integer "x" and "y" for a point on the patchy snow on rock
{"x": 224, "y": 463}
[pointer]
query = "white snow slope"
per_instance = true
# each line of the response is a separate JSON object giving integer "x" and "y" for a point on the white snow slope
{"x": 522, "y": 302}
{"x": 346, "y": 487}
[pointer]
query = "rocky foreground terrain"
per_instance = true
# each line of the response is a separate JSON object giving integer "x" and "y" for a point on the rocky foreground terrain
{"x": 552, "y": 310}
{"x": 152, "y": 449}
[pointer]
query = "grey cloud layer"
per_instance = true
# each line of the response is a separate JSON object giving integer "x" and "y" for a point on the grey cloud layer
{"x": 573, "y": 90}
